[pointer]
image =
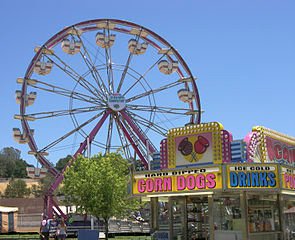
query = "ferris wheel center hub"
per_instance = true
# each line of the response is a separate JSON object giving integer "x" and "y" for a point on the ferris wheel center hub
{"x": 116, "y": 102}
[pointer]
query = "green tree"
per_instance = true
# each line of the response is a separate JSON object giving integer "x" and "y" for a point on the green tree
{"x": 99, "y": 186}
{"x": 11, "y": 163}
{"x": 20, "y": 170}
{"x": 36, "y": 190}
{"x": 9, "y": 167}
{"x": 63, "y": 162}
{"x": 16, "y": 189}
{"x": 11, "y": 153}
{"x": 45, "y": 183}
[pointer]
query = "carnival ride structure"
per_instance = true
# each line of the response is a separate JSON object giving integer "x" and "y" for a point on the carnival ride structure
{"x": 99, "y": 86}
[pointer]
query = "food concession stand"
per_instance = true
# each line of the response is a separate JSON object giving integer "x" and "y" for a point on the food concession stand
{"x": 210, "y": 186}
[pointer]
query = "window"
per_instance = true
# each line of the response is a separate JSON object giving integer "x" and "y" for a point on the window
{"x": 227, "y": 212}
{"x": 263, "y": 213}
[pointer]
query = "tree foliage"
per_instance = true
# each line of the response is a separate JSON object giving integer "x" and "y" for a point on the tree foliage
{"x": 11, "y": 163}
{"x": 45, "y": 183}
{"x": 99, "y": 186}
{"x": 10, "y": 153}
{"x": 63, "y": 162}
{"x": 40, "y": 189}
{"x": 36, "y": 190}
{"x": 16, "y": 189}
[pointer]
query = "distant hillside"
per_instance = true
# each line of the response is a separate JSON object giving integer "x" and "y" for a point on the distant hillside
{"x": 4, "y": 182}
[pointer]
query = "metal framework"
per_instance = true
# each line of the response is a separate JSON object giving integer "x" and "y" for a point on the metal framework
{"x": 103, "y": 85}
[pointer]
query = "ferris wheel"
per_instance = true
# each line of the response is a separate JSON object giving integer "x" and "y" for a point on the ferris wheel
{"x": 100, "y": 86}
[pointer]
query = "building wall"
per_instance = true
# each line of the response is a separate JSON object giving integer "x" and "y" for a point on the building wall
{"x": 29, "y": 212}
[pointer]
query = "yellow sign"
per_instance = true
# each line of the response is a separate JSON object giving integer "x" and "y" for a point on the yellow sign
{"x": 195, "y": 144}
{"x": 288, "y": 178}
{"x": 177, "y": 180}
{"x": 252, "y": 176}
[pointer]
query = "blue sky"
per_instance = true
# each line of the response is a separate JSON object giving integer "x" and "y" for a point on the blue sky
{"x": 242, "y": 53}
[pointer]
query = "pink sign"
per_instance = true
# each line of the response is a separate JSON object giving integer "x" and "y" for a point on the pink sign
{"x": 280, "y": 152}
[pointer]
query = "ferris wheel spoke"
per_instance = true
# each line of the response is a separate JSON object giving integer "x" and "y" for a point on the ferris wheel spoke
{"x": 124, "y": 72}
{"x": 163, "y": 120}
{"x": 138, "y": 131}
{"x": 142, "y": 76}
{"x": 109, "y": 135}
{"x": 159, "y": 109}
{"x": 93, "y": 133}
{"x": 109, "y": 68}
{"x": 59, "y": 113}
{"x": 153, "y": 91}
{"x": 149, "y": 124}
{"x": 94, "y": 47}
{"x": 95, "y": 75}
{"x": 65, "y": 92}
{"x": 94, "y": 72}
{"x": 99, "y": 145}
{"x": 123, "y": 140}
{"x": 127, "y": 65}
{"x": 133, "y": 141}
{"x": 95, "y": 55}
{"x": 57, "y": 141}
{"x": 79, "y": 79}
{"x": 82, "y": 147}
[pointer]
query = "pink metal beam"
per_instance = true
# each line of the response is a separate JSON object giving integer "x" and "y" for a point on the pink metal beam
{"x": 59, "y": 211}
{"x": 138, "y": 132}
{"x": 82, "y": 147}
{"x": 92, "y": 133}
{"x": 49, "y": 205}
{"x": 49, "y": 198}
{"x": 126, "y": 133}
